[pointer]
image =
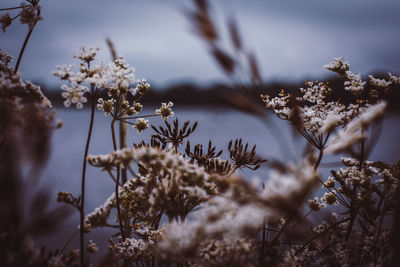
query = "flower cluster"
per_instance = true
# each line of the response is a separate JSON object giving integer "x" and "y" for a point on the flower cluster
{"x": 315, "y": 109}
{"x": 239, "y": 212}
{"x": 99, "y": 217}
{"x": 113, "y": 78}
{"x": 165, "y": 177}
{"x": 316, "y": 118}
{"x": 228, "y": 249}
{"x": 112, "y": 82}
{"x": 165, "y": 110}
{"x": 29, "y": 14}
{"x": 10, "y": 82}
{"x": 143, "y": 247}
{"x": 355, "y": 132}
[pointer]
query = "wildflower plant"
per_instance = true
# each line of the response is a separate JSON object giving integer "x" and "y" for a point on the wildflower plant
{"x": 107, "y": 86}
{"x": 182, "y": 204}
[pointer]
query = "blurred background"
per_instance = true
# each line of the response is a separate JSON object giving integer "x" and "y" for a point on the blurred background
{"x": 290, "y": 39}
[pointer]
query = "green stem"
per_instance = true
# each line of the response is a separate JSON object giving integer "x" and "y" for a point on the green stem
{"x": 82, "y": 206}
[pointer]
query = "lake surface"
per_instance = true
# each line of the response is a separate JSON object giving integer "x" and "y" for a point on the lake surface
{"x": 63, "y": 172}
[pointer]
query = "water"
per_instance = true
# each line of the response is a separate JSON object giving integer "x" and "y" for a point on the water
{"x": 63, "y": 172}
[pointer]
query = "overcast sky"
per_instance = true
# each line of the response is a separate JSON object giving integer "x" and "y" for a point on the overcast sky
{"x": 292, "y": 39}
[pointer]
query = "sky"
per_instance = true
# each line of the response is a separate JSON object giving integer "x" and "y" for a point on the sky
{"x": 291, "y": 39}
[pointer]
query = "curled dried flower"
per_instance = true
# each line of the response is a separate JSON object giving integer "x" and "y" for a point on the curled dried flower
{"x": 217, "y": 166}
{"x": 175, "y": 135}
{"x": 243, "y": 158}
{"x": 153, "y": 143}
{"x": 200, "y": 156}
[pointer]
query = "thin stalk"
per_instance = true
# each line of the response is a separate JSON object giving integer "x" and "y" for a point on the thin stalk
{"x": 10, "y": 8}
{"x": 21, "y": 52}
{"x": 68, "y": 241}
{"x": 122, "y": 140}
{"x": 324, "y": 232}
{"x": 321, "y": 153}
{"x": 262, "y": 244}
{"x": 142, "y": 116}
{"x": 117, "y": 183}
{"x": 232, "y": 172}
{"x": 14, "y": 18}
{"x": 82, "y": 206}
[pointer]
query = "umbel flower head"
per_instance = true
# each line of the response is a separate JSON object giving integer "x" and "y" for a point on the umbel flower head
{"x": 164, "y": 179}
{"x": 316, "y": 118}
{"x": 115, "y": 78}
{"x": 141, "y": 124}
{"x": 165, "y": 110}
{"x": 113, "y": 82}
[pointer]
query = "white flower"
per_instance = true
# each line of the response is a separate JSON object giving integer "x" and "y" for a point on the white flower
{"x": 87, "y": 55}
{"x": 141, "y": 124}
{"x": 142, "y": 87}
{"x": 106, "y": 106}
{"x": 337, "y": 65}
{"x": 354, "y": 131}
{"x": 165, "y": 110}
{"x": 354, "y": 83}
{"x": 74, "y": 95}
{"x": 393, "y": 79}
{"x": 380, "y": 83}
{"x": 331, "y": 122}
